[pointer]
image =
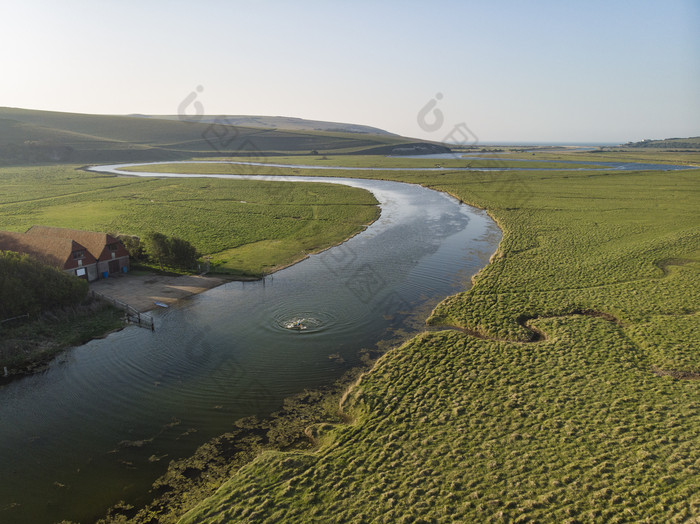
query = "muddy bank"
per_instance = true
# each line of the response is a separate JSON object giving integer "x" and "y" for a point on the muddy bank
{"x": 142, "y": 291}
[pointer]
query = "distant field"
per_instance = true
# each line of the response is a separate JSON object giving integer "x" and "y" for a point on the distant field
{"x": 248, "y": 227}
{"x": 620, "y": 154}
{"x": 358, "y": 161}
{"x": 576, "y": 401}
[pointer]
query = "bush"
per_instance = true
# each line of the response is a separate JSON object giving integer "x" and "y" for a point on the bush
{"x": 28, "y": 286}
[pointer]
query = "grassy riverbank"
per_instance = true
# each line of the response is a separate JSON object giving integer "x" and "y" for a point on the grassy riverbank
{"x": 42, "y": 311}
{"x": 247, "y": 228}
{"x": 567, "y": 406}
{"x": 575, "y": 401}
{"x": 26, "y": 346}
{"x": 360, "y": 161}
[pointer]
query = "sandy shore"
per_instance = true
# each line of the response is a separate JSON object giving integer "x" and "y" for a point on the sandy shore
{"x": 142, "y": 291}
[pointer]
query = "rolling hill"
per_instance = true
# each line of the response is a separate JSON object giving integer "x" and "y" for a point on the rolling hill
{"x": 280, "y": 122}
{"x": 30, "y": 136}
{"x": 668, "y": 143}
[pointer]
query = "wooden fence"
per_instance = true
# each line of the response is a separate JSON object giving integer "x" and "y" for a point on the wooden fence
{"x": 130, "y": 314}
{"x": 21, "y": 317}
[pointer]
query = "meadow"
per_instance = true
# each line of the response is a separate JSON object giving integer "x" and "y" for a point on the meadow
{"x": 247, "y": 228}
{"x": 359, "y": 161}
{"x": 618, "y": 154}
{"x": 562, "y": 387}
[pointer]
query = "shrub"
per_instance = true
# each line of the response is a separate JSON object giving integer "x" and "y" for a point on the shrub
{"x": 28, "y": 286}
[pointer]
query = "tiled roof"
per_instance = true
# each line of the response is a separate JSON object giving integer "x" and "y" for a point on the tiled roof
{"x": 93, "y": 241}
{"x": 54, "y": 251}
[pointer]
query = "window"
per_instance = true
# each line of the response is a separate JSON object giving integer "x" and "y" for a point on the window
{"x": 113, "y": 247}
{"x": 79, "y": 254}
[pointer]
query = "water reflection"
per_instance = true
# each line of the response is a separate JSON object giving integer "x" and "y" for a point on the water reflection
{"x": 105, "y": 419}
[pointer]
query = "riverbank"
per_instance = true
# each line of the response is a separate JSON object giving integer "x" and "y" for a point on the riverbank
{"x": 28, "y": 346}
{"x": 251, "y": 230}
{"x": 143, "y": 291}
{"x": 296, "y": 427}
{"x": 437, "y": 422}
{"x": 224, "y": 355}
{"x": 576, "y": 426}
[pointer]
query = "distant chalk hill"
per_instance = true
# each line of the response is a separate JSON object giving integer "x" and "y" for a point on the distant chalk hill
{"x": 30, "y": 136}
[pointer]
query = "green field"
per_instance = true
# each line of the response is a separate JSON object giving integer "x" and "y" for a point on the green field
{"x": 574, "y": 399}
{"x": 248, "y": 228}
{"x": 361, "y": 161}
{"x": 618, "y": 154}
{"x": 562, "y": 387}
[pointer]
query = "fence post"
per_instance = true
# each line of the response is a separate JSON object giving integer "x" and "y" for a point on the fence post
{"x": 130, "y": 313}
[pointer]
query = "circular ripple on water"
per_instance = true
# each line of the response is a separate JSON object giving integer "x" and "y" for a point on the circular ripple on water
{"x": 304, "y": 322}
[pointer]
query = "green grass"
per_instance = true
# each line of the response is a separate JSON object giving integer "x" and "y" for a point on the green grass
{"x": 566, "y": 406}
{"x": 373, "y": 161}
{"x": 557, "y": 411}
{"x": 621, "y": 154}
{"x": 28, "y": 136}
{"x": 248, "y": 227}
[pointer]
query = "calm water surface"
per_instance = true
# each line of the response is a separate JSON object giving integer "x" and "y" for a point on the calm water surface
{"x": 102, "y": 423}
{"x": 601, "y": 166}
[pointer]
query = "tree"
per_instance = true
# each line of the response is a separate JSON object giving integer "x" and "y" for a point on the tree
{"x": 172, "y": 251}
{"x": 157, "y": 247}
{"x": 182, "y": 254}
{"x": 134, "y": 246}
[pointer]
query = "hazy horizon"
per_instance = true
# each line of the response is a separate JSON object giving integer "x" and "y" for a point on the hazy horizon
{"x": 503, "y": 72}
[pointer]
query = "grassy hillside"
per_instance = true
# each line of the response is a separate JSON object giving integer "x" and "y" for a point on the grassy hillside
{"x": 566, "y": 391}
{"x": 282, "y": 122}
{"x": 668, "y": 143}
{"x": 28, "y": 136}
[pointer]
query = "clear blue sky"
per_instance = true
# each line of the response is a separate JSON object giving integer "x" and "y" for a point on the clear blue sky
{"x": 608, "y": 71}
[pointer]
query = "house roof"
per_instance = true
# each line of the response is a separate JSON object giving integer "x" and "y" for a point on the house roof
{"x": 94, "y": 242}
{"x": 54, "y": 251}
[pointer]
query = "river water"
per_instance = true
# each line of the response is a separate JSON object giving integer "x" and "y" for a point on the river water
{"x": 103, "y": 421}
{"x": 582, "y": 165}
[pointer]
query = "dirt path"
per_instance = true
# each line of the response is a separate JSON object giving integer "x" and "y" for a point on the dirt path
{"x": 140, "y": 292}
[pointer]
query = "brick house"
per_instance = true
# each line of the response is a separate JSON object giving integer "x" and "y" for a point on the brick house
{"x": 111, "y": 255}
{"x": 85, "y": 254}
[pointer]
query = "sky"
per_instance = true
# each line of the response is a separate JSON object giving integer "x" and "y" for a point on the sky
{"x": 496, "y": 71}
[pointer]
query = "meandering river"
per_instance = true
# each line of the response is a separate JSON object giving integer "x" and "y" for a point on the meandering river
{"x": 103, "y": 421}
